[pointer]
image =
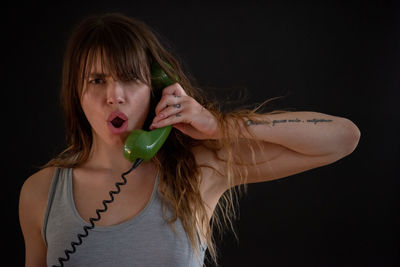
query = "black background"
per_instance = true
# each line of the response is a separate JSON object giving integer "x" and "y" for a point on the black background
{"x": 338, "y": 58}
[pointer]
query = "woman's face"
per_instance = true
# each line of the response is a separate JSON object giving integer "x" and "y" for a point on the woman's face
{"x": 114, "y": 108}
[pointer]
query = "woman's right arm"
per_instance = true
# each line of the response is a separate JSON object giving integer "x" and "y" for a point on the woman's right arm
{"x": 32, "y": 206}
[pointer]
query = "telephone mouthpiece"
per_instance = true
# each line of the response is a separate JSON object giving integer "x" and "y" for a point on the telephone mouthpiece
{"x": 142, "y": 144}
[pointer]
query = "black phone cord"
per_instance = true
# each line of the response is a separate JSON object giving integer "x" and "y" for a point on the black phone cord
{"x": 92, "y": 220}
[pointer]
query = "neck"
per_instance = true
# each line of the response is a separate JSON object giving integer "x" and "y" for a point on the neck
{"x": 109, "y": 158}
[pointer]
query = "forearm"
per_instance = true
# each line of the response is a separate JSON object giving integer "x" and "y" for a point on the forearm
{"x": 310, "y": 133}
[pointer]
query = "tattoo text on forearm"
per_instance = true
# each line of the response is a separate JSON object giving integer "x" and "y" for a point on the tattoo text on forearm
{"x": 314, "y": 121}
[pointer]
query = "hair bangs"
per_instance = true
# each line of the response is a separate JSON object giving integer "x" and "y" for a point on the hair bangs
{"x": 119, "y": 55}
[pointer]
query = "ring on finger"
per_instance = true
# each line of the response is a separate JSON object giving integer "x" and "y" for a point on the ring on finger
{"x": 177, "y": 105}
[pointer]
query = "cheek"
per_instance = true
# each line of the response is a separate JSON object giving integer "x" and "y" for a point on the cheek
{"x": 89, "y": 105}
{"x": 139, "y": 108}
{"x": 140, "y": 99}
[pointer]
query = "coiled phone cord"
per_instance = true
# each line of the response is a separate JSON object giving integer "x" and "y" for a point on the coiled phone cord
{"x": 86, "y": 228}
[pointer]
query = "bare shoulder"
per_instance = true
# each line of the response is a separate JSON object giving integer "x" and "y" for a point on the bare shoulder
{"x": 34, "y": 193}
{"x": 32, "y": 206}
{"x": 38, "y": 184}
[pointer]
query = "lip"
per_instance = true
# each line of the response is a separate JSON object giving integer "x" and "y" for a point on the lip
{"x": 115, "y": 114}
{"x": 124, "y": 125}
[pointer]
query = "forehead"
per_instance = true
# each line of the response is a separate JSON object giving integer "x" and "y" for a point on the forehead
{"x": 103, "y": 61}
{"x": 97, "y": 65}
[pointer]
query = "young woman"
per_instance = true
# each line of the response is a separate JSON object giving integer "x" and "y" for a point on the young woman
{"x": 165, "y": 214}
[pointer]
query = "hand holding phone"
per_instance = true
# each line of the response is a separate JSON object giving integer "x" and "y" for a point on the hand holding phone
{"x": 142, "y": 144}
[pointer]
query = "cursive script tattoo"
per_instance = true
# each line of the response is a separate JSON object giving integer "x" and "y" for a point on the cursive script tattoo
{"x": 314, "y": 121}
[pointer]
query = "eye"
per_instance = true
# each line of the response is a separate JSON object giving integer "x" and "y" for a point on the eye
{"x": 131, "y": 77}
{"x": 96, "y": 81}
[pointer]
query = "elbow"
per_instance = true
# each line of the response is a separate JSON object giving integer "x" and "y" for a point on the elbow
{"x": 351, "y": 137}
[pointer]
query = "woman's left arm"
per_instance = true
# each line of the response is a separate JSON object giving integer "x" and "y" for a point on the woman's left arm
{"x": 306, "y": 132}
{"x": 292, "y": 142}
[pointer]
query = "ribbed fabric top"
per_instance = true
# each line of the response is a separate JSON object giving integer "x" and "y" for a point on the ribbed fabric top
{"x": 144, "y": 240}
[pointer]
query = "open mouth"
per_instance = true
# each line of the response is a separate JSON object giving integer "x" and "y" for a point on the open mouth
{"x": 117, "y": 122}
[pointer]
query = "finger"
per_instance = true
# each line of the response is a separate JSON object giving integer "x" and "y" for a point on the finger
{"x": 169, "y": 100}
{"x": 174, "y": 89}
{"x": 169, "y": 111}
{"x": 176, "y": 118}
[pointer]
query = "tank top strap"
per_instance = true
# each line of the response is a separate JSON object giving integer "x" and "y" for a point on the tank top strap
{"x": 50, "y": 199}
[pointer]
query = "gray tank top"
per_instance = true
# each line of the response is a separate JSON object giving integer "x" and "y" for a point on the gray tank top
{"x": 145, "y": 240}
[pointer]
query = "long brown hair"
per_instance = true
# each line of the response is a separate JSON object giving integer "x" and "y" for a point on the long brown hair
{"x": 127, "y": 47}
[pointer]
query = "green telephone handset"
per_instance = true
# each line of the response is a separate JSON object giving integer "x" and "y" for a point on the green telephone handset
{"x": 142, "y": 144}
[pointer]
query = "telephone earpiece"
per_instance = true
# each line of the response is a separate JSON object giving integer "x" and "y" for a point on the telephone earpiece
{"x": 142, "y": 144}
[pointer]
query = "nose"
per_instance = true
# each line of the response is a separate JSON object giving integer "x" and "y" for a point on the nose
{"x": 115, "y": 94}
